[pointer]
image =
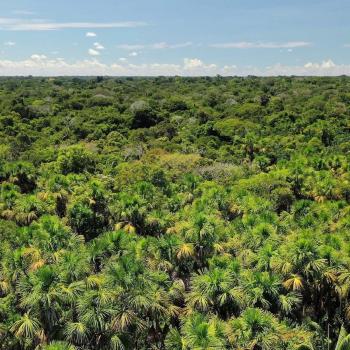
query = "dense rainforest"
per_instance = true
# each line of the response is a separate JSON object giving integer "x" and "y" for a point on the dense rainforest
{"x": 175, "y": 213}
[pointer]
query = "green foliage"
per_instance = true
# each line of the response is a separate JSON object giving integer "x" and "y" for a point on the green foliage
{"x": 75, "y": 159}
{"x": 174, "y": 213}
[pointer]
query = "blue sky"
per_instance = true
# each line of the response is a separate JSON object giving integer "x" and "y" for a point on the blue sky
{"x": 168, "y": 37}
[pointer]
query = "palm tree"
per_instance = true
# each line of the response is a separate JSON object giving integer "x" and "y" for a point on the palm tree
{"x": 22, "y": 174}
{"x": 174, "y": 340}
{"x": 262, "y": 289}
{"x": 58, "y": 345}
{"x": 214, "y": 290}
{"x": 199, "y": 333}
{"x": 343, "y": 342}
{"x": 45, "y": 295}
{"x": 258, "y": 329}
{"x": 203, "y": 234}
{"x": 289, "y": 302}
{"x": 28, "y": 330}
{"x": 294, "y": 282}
{"x": 76, "y": 333}
{"x": 25, "y": 210}
{"x": 59, "y": 189}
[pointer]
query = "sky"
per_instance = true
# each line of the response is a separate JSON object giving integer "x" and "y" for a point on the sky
{"x": 174, "y": 37}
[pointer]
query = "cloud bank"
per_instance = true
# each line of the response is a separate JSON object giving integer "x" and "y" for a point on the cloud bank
{"x": 17, "y": 24}
{"x": 41, "y": 65}
{"x": 155, "y": 46}
{"x": 261, "y": 45}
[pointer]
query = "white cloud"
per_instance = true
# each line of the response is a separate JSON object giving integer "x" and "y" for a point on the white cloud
{"x": 23, "y": 12}
{"x": 41, "y": 65}
{"x": 9, "y": 43}
{"x": 38, "y": 57}
{"x": 122, "y": 59}
{"x": 93, "y": 52}
{"x": 324, "y": 65}
{"x": 98, "y": 46}
{"x": 164, "y": 45}
{"x": 133, "y": 54}
{"x": 130, "y": 47}
{"x": 90, "y": 34}
{"x": 261, "y": 45}
{"x": 190, "y": 63}
{"x": 197, "y": 65}
{"x": 228, "y": 69}
{"x": 15, "y": 24}
{"x": 155, "y": 46}
{"x": 324, "y": 68}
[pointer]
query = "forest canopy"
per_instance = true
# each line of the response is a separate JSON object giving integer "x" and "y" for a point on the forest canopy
{"x": 175, "y": 213}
